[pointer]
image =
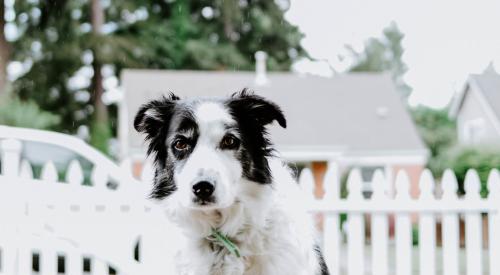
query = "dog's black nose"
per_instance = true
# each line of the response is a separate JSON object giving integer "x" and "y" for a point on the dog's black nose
{"x": 203, "y": 190}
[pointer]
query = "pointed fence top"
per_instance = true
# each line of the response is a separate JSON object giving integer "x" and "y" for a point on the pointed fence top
{"x": 26, "y": 171}
{"x": 331, "y": 182}
{"x": 472, "y": 185}
{"x": 402, "y": 186}
{"x": 354, "y": 185}
{"x": 449, "y": 184}
{"x": 75, "y": 173}
{"x": 49, "y": 172}
{"x": 426, "y": 185}
{"x": 379, "y": 185}
{"x": 494, "y": 184}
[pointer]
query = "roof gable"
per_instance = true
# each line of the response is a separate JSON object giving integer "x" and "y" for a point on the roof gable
{"x": 488, "y": 87}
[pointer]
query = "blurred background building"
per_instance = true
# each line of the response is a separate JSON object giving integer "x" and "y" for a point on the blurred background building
{"x": 355, "y": 120}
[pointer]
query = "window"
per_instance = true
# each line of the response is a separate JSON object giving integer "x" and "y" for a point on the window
{"x": 474, "y": 130}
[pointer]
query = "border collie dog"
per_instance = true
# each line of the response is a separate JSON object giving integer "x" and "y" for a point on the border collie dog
{"x": 236, "y": 203}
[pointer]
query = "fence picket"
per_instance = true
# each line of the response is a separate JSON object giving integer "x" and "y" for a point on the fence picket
{"x": 450, "y": 225}
{"x": 99, "y": 177}
{"x": 49, "y": 172}
{"x": 403, "y": 227}
{"x": 48, "y": 259}
{"x": 8, "y": 253}
{"x": 74, "y": 263}
{"x": 331, "y": 230}
{"x": 99, "y": 267}
{"x": 24, "y": 259}
{"x": 10, "y": 150}
{"x": 494, "y": 222}
{"x": 74, "y": 175}
{"x": 473, "y": 225}
{"x": 26, "y": 172}
{"x": 306, "y": 181}
{"x": 126, "y": 167}
{"x": 380, "y": 228}
{"x": 427, "y": 226}
{"x": 355, "y": 227}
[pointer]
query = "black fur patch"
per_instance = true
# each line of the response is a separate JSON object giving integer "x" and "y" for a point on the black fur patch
{"x": 321, "y": 261}
{"x": 253, "y": 113}
{"x": 154, "y": 119}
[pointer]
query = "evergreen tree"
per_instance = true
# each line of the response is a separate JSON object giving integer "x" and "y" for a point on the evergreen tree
{"x": 384, "y": 54}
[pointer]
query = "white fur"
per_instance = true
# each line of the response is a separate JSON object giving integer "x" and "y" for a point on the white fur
{"x": 266, "y": 221}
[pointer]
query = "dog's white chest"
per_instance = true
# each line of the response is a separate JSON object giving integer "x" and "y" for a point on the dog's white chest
{"x": 262, "y": 252}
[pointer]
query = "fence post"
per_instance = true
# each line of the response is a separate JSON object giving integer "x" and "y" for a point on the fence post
{"x": 11, "y": 157}
{"x": 450, "y": 225}
{"x": 331, "y": 230}
{"x": 494, "y": 221}
{"x": 427, "y": 226}
{"x": 380, "y": 227}
{"x": 10, "y": 205}
{"x": 473, "y": 224}
{"x": 355, "y": 227}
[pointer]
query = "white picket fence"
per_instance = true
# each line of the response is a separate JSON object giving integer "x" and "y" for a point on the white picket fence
{"x": 350, "y": 258}
{"x": 50, "y": 225}
{"x": 53, "y": 226}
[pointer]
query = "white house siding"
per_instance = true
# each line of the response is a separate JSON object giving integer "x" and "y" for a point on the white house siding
{"x": 473, "y": 110}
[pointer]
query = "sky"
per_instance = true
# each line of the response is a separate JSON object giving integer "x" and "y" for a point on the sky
{"x": 445, "y": 40}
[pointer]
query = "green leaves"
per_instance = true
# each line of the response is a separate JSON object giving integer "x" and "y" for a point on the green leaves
{"x": 383, "y": 55}
{"x": 14, "y": 112}
{"x": 439, "y": 133}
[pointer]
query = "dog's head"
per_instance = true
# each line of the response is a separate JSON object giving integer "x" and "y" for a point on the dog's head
{"x": 206, "y": 148}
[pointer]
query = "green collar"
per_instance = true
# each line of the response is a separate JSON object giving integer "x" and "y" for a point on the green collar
{"x": 225, "y": 242}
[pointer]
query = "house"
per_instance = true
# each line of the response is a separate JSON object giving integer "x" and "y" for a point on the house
{"x": 356, "y": 120}
{"x": 476, "y": 109}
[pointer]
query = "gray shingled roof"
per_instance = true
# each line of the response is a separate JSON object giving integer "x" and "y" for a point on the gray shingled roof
{"x": 489, "y": 84}
{"x": 355, "y": 113}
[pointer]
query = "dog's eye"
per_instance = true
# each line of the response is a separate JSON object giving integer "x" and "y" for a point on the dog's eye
{"x": 181, "y": 145}
{"x": 229, "y": 142}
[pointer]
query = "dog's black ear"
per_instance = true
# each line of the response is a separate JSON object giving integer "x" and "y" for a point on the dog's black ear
{"x": 257, "y": 107}
{"x": 154, "y": 116}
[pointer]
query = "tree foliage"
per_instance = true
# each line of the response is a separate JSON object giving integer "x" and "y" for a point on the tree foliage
{"x": 57, "y": 46}
{"x": 436, "y": 128}
{"x": 27, "y": 114}
{"x": 383, "y": 55}
{"x": 439, "y": 134}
